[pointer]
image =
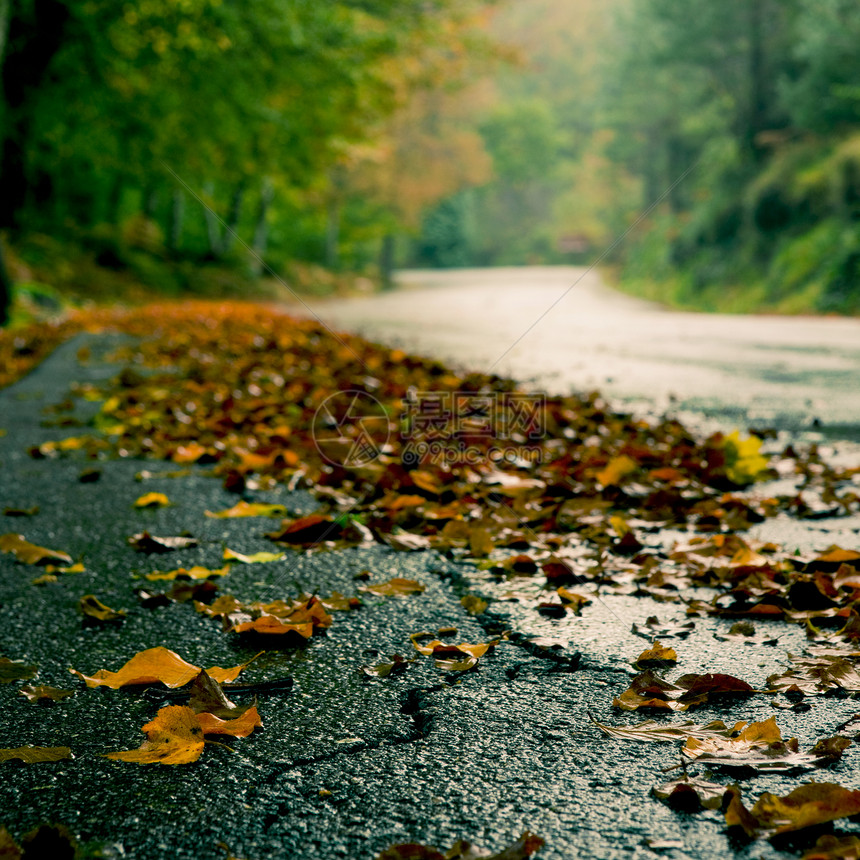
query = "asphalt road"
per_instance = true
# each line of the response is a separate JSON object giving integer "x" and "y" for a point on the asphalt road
{"x": 345, "y": 765}
{"x": 560, "y": 328}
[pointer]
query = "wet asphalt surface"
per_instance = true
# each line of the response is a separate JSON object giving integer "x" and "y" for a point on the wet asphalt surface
{"x": 345, "y": 765}
{"x": 560, "y": 328}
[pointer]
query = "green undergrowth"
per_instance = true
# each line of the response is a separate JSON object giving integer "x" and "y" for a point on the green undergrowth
{"x": 52, "y": 275}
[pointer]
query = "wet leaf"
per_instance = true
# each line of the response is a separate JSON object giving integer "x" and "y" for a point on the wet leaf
{"x": 651, "y": 731}
{"x": 810, "y": 804}
{"x": 15, "y": 670}
{"x": 571, "y": 600}
{"x": 308, "y": 530}
{"x": 145, "y": 542}
{"x": 655, "y": 629}
{"x": 29, "y": 553}
{"x": 237, "y": 727}
{"x": 21, "y": 512}
{"x": 249, "y": 509}
{"x": 152, "y": 500}
{"x": 397, "y": 587}
{"x": 34, "y": 755}
{"x": 91, "y": 607}
{"x": 43, "y": 694}
{"x": 817, "y": 675}
{"x": 194, "y": 573}
{"x": 397, "y": 666}
{"x": 758, "y": 746}
{"x": 155, "y": 665}
{"x": 473, "y": 604}
{"x": 255, "y": 558}
{"x": 691, "y": 795}
{"x": 525, "y": 847}
{"x": 656, "y": 656}
{"x": 834, "y": 848}
{"x": 173, "y": 737}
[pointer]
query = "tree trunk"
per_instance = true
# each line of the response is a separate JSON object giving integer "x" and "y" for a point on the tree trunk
{"x": 177, "y": 217}
{"x": 386, "y": 261}
{"x": 150, "y": 202}
{"x": 261, "y": 230}
{"x": 28, "y": 48}
{"x": 5, "y": 289}
{"x": 332, "y": 235}
{"x": 757, "y": 109}
{"x": 5, "y": 14}
{"x": 212, "y": 226}
{"x": 232, "y": 227}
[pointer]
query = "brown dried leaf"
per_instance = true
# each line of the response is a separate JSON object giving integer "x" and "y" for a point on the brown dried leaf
{"x": 15, "y": 670}
{"x": 808, "y": 805}
{"x": 43, "y": 694}
{"x": 691, "y": 795}
{"x": 834, "y": 848}
{"x": 145, "y": 542}
{"x": 649, "y": 730}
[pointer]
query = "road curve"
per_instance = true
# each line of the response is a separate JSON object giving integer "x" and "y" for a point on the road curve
{"x": 561, "y": 328}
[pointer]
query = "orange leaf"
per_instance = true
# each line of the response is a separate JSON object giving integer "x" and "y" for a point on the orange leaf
{"x": 152, "y": 500}
{"x": 154, "y": 665}
{"x": 175, "y": 736}
{"x": 238, "y": 727}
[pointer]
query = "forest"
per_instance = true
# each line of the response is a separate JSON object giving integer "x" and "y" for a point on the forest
{"x": 707, "y": 155}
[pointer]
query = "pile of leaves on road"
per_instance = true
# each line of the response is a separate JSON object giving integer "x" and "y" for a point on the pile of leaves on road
{"x": 564, "y": 491}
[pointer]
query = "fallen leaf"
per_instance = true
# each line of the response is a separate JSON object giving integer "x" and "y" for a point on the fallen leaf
{"x": 173, "y": 737}
{"x": 145, "y": 542}
{"x": 817, "y": 675}
{"x": 473, "y": 604}
{"x": 655, "y": 629}
{"x": 249, "y": 509}
{"x": 93, "y": 608}
{"x": 194, "y": 573}
{"x": 394, "y": 587}
{"x": 649, "y": 730}
{"x": 691, "y": 795}
{"x": 155, "y": 665}
{"x": 571, "y": 600}
{"x": 834, "y": 848}
{"x": 45, "y": 579}
{"x": 237, "y": 727}
{"x": 152, "y": 500}
{"x": 15, "y": 670}
{"x": 397, "y": 666}
{"x": 21, "y": 512}
{"x": 29, "y": 553}
{"x": 759, "y": 746}
{"x": 308, "y": 530}
{"x": 271, "y": 625}
{"x": 33, "y": 755}
{"x": 657, "y": 656}
{"x": 207, "y": 695}
{"x": 525, "y": 847}
{"x": 256, "y": 558}
{"x": 44, "y": 694}
{"x": 808, "y": 805}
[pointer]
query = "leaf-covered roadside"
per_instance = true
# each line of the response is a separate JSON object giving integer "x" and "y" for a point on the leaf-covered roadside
{"x": 235, "y": 389}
